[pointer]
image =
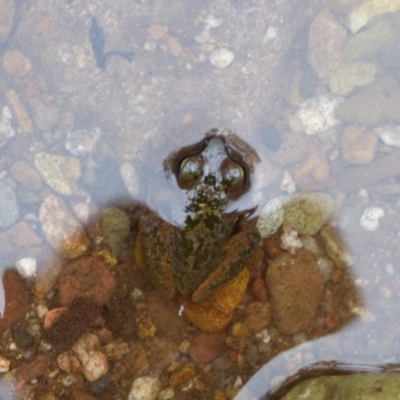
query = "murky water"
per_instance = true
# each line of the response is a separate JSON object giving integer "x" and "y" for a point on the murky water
{"x": 96, "y": 99}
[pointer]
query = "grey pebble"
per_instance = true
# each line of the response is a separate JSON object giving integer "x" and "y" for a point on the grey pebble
{"x": 8, "y": 206}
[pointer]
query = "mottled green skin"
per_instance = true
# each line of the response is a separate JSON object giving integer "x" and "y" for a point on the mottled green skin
{"x": 181, "y": 258}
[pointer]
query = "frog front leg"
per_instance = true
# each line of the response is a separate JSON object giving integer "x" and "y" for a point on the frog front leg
{"x": 233, "y": 257}
{"x": 157, "y": 242}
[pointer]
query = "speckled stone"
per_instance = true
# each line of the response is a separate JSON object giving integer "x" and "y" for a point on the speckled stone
{"x": 59, "y": 172}
{"x": 61, "y": 229}
{"x": 8, "y": 206}
{"x": 16, "y": 64}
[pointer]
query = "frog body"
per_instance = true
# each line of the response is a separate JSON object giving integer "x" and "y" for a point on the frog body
{"x": 212, "y": 246}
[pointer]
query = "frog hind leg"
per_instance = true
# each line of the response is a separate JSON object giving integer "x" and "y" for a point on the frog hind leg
{"x": 231, "y": 260}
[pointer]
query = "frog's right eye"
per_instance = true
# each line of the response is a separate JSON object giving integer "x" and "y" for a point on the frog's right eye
{"x": 190, "y": 171}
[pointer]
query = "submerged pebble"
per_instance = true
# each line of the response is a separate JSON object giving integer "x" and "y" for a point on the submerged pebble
{"x": 370, "y": 218}
{"x": 221, "y": 58}
{"x": 8, "y": 206}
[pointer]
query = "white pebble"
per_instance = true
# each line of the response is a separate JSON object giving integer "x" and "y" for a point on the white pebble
{"x": 130, "y": 179}
{"x": 370, "y": 218}
{"x": 316, "y": 114}
{"x": 271, "y": 218}
{"x": 221, "y": 58}
{"x": 145, "y": 388}
{"x": 26, "y": 267}
{"x": 389, "y": 134}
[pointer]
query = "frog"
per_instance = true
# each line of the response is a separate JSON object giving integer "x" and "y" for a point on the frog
{"x": 216, "y": 239}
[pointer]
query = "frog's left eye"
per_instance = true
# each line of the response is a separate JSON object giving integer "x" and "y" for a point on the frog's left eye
{"x": 190, "y": 171}
{"x": 233, "y": 176}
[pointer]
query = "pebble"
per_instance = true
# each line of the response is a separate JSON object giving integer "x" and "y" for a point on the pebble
{"x": 16, "y": 64}
{"x": 343, "y": 80}
{"x": 359, "y": 146}
{"x": 4, "y": 364}
{"x": 48, "y": 274}
{"x": 45, "y": 116}
{"x": 94, "y": 362}
{"x": 316, "y": 114}
{"x": 8, "y": 206}
{"x": 308, "y": 212}
{"x": 60, "y": 228}
{"x": 370, "y": 218}
{"x": 26, "y": 267}
{"x": 365, "y": 12}
{"x": 221, "y": 58}
{"x": 257, "y": 316}
{"x": 28, "y": 370}
{"x": 145, "y": 388}
{"x": 326, "y": 40}
{"x": 6, "y": 129}
{"x": 372, "y": 105}
{"x": 271, "y": 218}
{"x": 16, "y": 297}
{"x": 290, "y": 240}
{"x": 59, "y": 172}
{"x": 367, "y": 44}
{"x": 19, "y": 111}
{"x": 26, "y": 175}
{"x": 86, "y": 277}
{"x": 296, "y": 289}
{"x": 131, "y": 179}
{"x": 389, "y": 134}
{"x": 81, "y": 143}
{"x": 7, "y": 9}
{"x": 205, "y": 347}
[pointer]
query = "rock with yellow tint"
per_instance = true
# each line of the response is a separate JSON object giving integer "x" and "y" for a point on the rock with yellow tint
{"x": 15, "y": 63}
{"x": 217, "y": 311}
{"x": 362, "y": 14}
{"x": 19, "y": 111}
{"x": 61, "y": 229}
{"x": 59, "y": 172}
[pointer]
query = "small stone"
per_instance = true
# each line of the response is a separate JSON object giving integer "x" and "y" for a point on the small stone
{"x": 28, "y": 370}
{"x": 16, "y": 301}
{"x": 145, "y": 388}
{"x": 308, "y": 212}
{"x": 257, "y": 316}
{"x": 15, "y": 63}
{"x": 26, "y": 175}
{"x": 161, "y": 352}
{"x": 290, "y": 240}
{"x": 59, "y": 172}
{"x": 81, "y": 143}
{"x": 45, "y": 116}
{"x": 373, "y": 105}
{"x": 389, "y": 134}
{"x": 7, "y": 9}
{"x": 64, "y": 362}
{"x": 19, "y": 111}
{"x": 94, "y": 363}
{"x": 48, "y": 274}
{"x": 366, "y": 11}
{"x": 53, "y": 316}
{"x": 359, "y": 146}
{"x": 271, "y": 218}
{"x": 86, "y": 277}
{"x": 370, "y": 218}
{"x": 4, "y": 364}
{"x": 345, "y": 79}
{"x": 131, "y": 180}
{"x": 367, "y": 44}
{"x": 61, "y": 229}
{"x": 8, "y": 206}
{"x": 26, "y": 267}
{"x": 146, "y": 328}
{"x": 205, "y": 347}
{"x": 221, "y": 58}
{"x": 326, "y": 40}
{"x": 296, "y": 289}
{"x": 316, "y": 114}
{"x": 6, "y": 129}
{"x": 182, "y": 375}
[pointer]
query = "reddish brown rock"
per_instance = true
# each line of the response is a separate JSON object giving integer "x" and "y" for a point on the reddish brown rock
{"x": 326, "y": 40}
{"x": 79, "y": 395}
{"x": 258, "y": 316}
{"x": 26, "y": 175}
{"x": 136, "y": 360}
{"x": 29, "y": 370}
{"x": 296, "y": 289}
{"x": 359, "y": 146}
{"x": 86, "y": 277}
{"x": 17, "y": 301}
{"x": 161, "y": 352}
{"x": 204, "y": 347}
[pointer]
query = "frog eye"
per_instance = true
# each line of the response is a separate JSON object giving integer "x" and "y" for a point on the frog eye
{"x": 190, "y": 171}
{"x": 233, "y": 176}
